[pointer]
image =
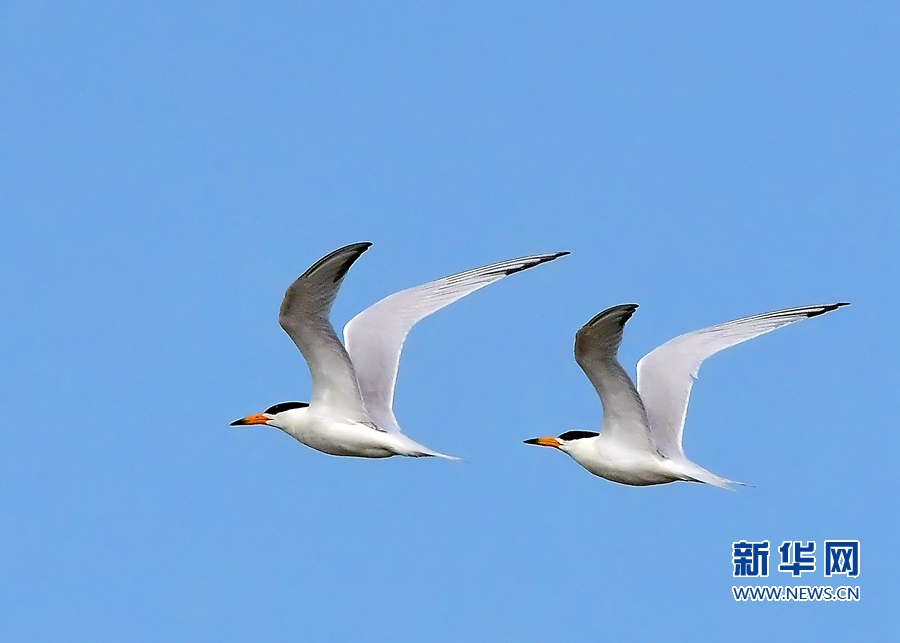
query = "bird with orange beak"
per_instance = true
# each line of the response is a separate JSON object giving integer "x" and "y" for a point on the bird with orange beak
{"x": 350, "y": 412}
{"x": 640, "y": 439}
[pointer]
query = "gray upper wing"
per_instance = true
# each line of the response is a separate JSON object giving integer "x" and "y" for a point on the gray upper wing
{"x": 666, "y": 374}
{"x": 596, "y": 351}
{"x": 304, "y": 316}
{"x": 375, "y": 337}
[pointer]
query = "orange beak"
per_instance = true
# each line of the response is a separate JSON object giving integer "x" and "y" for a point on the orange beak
{"x": 259, "y": 418}
{"x": 544, "y": 442}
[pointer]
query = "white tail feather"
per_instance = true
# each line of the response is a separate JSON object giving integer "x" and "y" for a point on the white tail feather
{"x": 699, "y": 474}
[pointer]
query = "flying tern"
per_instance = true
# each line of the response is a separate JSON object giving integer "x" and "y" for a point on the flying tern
{"x": 350, "y": 412}
{"x": 640, "y": 438}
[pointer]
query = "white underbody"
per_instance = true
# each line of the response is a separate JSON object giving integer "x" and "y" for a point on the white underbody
{"x": 340, "y": 436}
{"x": 618, "y": 463}
{"x": 610, "y": 459}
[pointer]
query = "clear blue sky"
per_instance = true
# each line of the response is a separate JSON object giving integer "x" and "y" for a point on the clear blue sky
{"x": 167, "y": 170}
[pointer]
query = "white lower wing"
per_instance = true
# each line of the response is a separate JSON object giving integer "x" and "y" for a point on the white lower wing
{"x": 666, "y": 374}
{"x": 374, "y": 338}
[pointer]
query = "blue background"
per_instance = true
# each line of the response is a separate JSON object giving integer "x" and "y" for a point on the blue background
{"x": 166, "y": 170}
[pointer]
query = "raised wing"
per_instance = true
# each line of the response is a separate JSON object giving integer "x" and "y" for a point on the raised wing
{"x": 374, "y": 338}
{"x": 304, "y": 317}
{"x": 666, "y": 374}
{"x": 596, "y": 349}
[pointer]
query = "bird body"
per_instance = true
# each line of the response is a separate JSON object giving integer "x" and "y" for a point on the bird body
{"x": 335, "y": 435}
{"x": 608, "y": 458}
{"x": 640, "y": 440}
{"x": 350, "y": 412}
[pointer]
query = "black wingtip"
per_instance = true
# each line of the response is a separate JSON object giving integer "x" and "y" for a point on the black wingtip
{"x": 627, "y": 312}
{"x": 357, "y": 249}
{"x": 828, "y": 308}
{"x": 536, "y": 262}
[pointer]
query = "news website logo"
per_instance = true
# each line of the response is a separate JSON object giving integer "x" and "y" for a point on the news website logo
{"x": 750, "y": 559}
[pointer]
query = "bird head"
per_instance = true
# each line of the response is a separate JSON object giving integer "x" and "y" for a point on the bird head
{"x": 564, "y": 440}
{"x": 272, "y": 416}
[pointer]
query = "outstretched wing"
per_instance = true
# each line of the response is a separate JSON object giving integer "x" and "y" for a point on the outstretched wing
{"x": 666, "y": 374}
{"x": 304, "y": 317}
{"x": 374, "y": 338}
{"x": 596, "y": 351}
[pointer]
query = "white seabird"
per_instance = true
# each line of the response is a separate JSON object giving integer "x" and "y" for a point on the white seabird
{"x": 640, "y": 438}
{"x": 350, "y": 409}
